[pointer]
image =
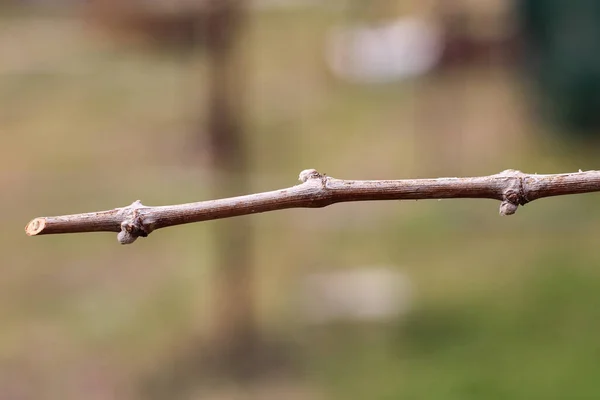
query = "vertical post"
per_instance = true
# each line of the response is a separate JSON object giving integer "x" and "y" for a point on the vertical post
{"x": 234, "y": 334}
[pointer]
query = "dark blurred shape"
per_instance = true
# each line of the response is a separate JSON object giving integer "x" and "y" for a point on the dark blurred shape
{"x": 477, "y": 33}
{"x": 174, "y": 23}
{"x": 563, "y": 59}
{"x": 234, "y": 344}
{"x": 219, "y": 145}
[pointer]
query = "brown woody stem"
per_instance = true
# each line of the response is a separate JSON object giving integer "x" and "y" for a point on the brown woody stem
{"x": 512, "y": 188}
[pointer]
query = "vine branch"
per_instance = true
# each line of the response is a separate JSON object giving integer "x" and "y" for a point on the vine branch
{"x": 512, "y": 188}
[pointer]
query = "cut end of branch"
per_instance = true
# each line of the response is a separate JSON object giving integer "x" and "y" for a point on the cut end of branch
{"x": 35, "y": 226}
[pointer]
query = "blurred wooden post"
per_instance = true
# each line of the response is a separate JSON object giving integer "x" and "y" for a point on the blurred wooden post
{"x": 216, "y": 28}
{"x": 223, "y": 144}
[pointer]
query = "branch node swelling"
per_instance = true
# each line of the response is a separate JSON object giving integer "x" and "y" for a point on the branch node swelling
{"x": 309, "y": 174}
{"x": 514, "y": 194}
{"x": 132, "y": 226}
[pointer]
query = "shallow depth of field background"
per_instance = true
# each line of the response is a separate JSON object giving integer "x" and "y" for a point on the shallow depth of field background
{"x": 382, "y": 300}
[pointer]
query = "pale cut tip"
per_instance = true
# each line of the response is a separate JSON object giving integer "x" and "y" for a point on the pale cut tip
{"x": 35, "y": 226}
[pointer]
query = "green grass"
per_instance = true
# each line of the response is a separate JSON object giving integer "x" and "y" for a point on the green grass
{"x": 536, "y": 341}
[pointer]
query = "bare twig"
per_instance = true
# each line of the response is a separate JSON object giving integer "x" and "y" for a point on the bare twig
{"x": 512, "y": 188}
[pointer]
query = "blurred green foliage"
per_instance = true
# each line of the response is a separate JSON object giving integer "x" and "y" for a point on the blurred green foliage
{"x": 564, "y": 61}
{"x": 537, "y": 340}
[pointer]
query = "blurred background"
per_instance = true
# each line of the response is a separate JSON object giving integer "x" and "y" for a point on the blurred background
{"x": 103, "y": 102}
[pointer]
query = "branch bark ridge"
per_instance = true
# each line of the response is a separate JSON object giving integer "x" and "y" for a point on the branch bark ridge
{"x": 511, "y": 187}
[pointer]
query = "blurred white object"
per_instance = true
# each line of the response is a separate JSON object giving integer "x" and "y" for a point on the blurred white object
{"x": 362, "y": 294}
{"x": 405, "y": 48}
